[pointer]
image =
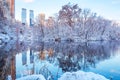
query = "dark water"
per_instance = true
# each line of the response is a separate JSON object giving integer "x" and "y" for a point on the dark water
{"x": 52, "y": 59}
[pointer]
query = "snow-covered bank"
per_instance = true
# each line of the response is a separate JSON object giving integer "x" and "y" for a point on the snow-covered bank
{"x": 69, "y": 76}
{"x": 32, "y": 77}
{"x": 80, "y": 75}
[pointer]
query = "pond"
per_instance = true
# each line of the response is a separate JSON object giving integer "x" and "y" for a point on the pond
{"x": 52, "y": 59}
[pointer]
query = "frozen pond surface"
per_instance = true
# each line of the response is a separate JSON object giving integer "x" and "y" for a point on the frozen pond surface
{"x": 53, "y": 59}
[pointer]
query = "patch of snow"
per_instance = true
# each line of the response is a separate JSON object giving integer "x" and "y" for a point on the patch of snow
{"x": 80, "y": 75}
{"x": 32, "y": 77}
{"x": 4, "y": 38}
{"x": 9, "y": 77}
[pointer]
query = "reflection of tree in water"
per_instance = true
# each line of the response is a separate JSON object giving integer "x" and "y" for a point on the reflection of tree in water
{"x": 69, "y": 56}
{"x": 7, "y": 58}
{"x": 46, "y": 73}
{"x": 68, "y": 65}
{"x": 6, "y": 66}
{"x": 2, "y": 68}
{"x": 86, "y": 56}
{"x": 74, "y": 56}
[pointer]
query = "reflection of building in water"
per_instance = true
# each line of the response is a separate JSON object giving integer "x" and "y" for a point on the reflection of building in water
{"x": 42, "y": 55}
{"x": 24, "y": 58}
{"x": 31, "y": 56}
{"x": 13, "y": 68}
{"x": 25, "y": 63}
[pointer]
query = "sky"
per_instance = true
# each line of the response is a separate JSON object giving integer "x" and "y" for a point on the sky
{"x": 109, "y": 9}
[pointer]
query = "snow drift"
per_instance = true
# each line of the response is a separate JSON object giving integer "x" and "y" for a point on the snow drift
{"x": 80, "y": 75}
{"x": 32, "y": 77}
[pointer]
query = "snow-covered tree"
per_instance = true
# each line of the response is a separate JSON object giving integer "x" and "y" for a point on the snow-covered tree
{"x": 39, "y": 24}
{"x": 69, "y": 14}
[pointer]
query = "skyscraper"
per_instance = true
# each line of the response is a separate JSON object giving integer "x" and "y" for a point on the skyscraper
{"x": 23, "y": 16}
{"x": 7, "y": 9}
{"x": 42, "y": 19}
{"x": 11, "y": 4}
{"x": 31, "y": 15}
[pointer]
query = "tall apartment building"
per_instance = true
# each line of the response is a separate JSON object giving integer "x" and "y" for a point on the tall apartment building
{"x": 7, "y": 9}
{"x": 31, "y": 16}
{"x": 23, "y": 16}
{"x": 11, "y": 4}
{"x": 42, "y": 19}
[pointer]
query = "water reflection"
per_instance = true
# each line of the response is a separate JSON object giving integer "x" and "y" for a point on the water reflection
{"x": 53, "y": 59}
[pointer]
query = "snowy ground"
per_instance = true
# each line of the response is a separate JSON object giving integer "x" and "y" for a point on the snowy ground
{"x": 79, "y": 75}
{"x": 32, "y": 77}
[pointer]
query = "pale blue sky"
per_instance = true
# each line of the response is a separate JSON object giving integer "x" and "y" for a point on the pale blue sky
{"x": 109, "y": 9}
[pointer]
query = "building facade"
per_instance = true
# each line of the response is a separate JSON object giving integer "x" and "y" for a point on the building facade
{"x": 31, "y": 16}
{"x": 11, "y": 4}
{"x": 42, "y": 19}
{"x": 8, "y": 8}
{"x": 23, "y": 16}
